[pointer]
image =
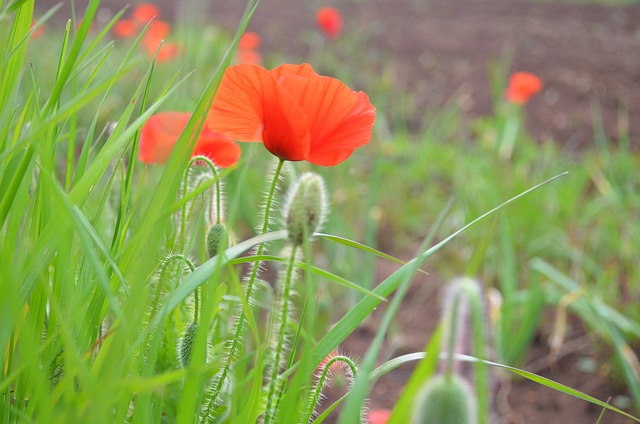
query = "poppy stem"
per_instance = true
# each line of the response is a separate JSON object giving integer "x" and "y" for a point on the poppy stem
{"x": 285, "y": 304}
{"x": 214, "y": 396}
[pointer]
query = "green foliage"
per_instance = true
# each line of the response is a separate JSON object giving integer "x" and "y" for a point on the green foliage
{"x": 107, "y": 272}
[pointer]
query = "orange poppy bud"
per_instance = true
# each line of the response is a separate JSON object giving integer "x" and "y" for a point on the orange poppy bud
{"x": 329, "y": 20}
{"x": 296, "y": 113}
{"x": 522, "y": 85}
{"x": 160, "y": 133}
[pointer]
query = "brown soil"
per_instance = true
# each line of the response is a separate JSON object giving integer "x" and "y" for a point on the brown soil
{"x": 585, "y": 54}
{"x": 516, "y": 400}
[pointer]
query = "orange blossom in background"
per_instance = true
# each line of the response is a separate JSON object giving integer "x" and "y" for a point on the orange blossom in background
{"x": 296, "y": 113}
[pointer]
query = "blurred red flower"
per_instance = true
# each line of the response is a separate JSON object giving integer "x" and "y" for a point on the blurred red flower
{"x": 249, "y": 40}
{"x": 37, "y": 32}
{"x": 522, "y": 85}
{"x": 329, "y": 20}
{"x": 296, "y": 113}
{"x": 144, "y": 12}
{"x": 248, "y": 49}
{"x": 378, "y": 416}
{"x": 125, "y": 28}
{"x": 158, "y": 30}
{"x": 250, "y": 56}
{"x": 161, "y": 131}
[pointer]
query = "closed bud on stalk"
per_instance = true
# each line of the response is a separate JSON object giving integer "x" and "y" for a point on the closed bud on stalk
{"x": 306, "y": 207}
{"x": 445, "y": 400}
{"x": 185, "y": 344}
{"x": 217, "y": 239}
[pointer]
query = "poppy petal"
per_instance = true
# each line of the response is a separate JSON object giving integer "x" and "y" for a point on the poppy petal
{"x": 250, "y": 105}
{"x": 160, "y": 133}
{"x": 340, "y": 120}
{"x": 218, "y": 147}
{"x": 303, "y": 70}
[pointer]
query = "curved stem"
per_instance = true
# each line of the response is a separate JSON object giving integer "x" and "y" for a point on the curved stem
{"x": 214, "y": 171}
{"x": 270, "y": 410}
{"x": 315, "y": 398}
{"x": 165, "y": 262}
{"x": 215, "y": 393}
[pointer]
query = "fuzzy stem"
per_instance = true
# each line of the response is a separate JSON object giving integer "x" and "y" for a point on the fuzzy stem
{"x": 315, "y": 398}
{"x": 270, "y": 410}
{"x": 452, "y": 324}
{"x": 165, "y": 263}
{"x": 242, "y": 317}
{"x": 218, "y": 195}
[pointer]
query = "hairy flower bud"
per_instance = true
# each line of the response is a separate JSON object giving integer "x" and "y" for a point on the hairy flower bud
{"x": 306, "y": 207}
{"x": 217, "y": 239}
{"x": 185, "y": 344}
{"x": 445, "y": 400}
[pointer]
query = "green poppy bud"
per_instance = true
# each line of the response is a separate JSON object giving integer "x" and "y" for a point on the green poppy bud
{"x": 305, "y": 208}
{"x": 185, "y": 344}
{"x": 217, "y": 239}
{"x": 445, "y": 400}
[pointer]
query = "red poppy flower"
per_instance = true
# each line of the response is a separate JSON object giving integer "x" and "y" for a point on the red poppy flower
{"x": 144, "y": 12}
{"x": 329, "y": 20}
{"x": 37, "y": 32}
{"x": 160, "y": 133}
{"x": 125, "y": 28}
{"x": 158, "y": 30}
{"x": 378, "y": 416}
{"x": 522, "y": 85}
{"x": 296, "y": 113}
{"x": 249, "y": 40}
{"x": 249, "y": 56}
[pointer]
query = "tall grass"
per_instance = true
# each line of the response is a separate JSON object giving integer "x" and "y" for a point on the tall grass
{"x": 112, "y": 310}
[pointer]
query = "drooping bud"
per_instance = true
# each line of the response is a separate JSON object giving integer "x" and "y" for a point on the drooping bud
{"x": 217, "y": 239}
{"x": 185, "y": 344}
{"x": 445, "y": 400}
{"x": 305, "y": 208}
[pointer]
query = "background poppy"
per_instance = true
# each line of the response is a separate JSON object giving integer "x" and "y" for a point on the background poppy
{"x": 160, "y": 133}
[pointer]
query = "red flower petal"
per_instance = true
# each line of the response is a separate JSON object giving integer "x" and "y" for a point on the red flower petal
{"x": 218, "y": 147}
{"x": 304, "y": 70}
{"x": 160, "y": 133}
{"x": 250, "y": 105}
{"x": 340, "y": 120}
